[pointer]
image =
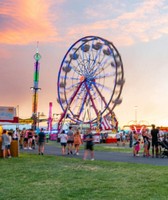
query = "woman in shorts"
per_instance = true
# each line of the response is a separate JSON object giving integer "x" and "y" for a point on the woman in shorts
{"x": 89, "y": 145}
{"x": 63, "y": 140}
{"x": 77, "y": 141}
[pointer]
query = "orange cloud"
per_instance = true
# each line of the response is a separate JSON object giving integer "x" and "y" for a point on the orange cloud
{"x": 26, "y": 21}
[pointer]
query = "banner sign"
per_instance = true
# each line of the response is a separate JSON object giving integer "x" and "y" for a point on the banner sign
{"x": 25, "y": 121}
{"x": 7, "y": 113}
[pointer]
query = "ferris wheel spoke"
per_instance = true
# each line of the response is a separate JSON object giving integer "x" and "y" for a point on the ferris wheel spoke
{"x": 105, "y": 75}
{"x": 102, "y": 98}
{"x": 71, "y": 98}
{"x": 72, "y": 86}
{"x": 90, "y": 51}
{"x": 75, "y": 69}
{"x": 101, "y": 66}
{"x": 69, "y": 78}
{"x": 68, "y": 66}
{"x": 103, "y": 86}
{"x": 77, "y": 101}
{"x": 82, "y": 105}
{"x": 93, "y": 104}
{"x": 79, "y": 94}
{"x": 97, "y": 56}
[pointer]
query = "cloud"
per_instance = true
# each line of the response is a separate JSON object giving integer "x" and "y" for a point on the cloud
{"x": 26, "y": 21}
{"x": 144, "y": 21}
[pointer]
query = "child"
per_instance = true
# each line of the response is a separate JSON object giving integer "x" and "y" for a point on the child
{"x": 137, "y": 147}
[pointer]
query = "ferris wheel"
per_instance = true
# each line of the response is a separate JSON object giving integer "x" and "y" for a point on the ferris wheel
{"x": 90, "y": 79}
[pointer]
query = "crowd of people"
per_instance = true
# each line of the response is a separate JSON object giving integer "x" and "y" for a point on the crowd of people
{"x": 151, "y": 140}
{"x": 70, "y": 142}
{"x": 28, "y": 139}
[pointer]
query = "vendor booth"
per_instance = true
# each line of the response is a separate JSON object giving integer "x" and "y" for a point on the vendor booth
{"x": 7, "y": 117}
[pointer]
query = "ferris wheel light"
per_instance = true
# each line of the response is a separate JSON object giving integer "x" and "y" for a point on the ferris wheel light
{"x": 74, "y": 56}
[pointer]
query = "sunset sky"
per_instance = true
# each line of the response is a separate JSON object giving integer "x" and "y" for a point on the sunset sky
{"x": 138, "y": 29}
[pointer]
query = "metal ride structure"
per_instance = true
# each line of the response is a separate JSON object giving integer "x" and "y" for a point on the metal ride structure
{"x": 90, "y": 80}
{"x": 35, "y": 88}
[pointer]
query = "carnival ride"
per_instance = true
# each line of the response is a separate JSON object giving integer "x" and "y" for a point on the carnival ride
{"x": 90, "y": 81}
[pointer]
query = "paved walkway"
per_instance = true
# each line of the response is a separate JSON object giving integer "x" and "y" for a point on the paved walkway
{"x": 105, "y": 155}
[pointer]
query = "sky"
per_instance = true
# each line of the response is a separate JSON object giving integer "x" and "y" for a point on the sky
{"x": 137, "y": 28}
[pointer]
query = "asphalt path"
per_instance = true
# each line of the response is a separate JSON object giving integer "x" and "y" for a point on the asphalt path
{"x": 104, "y": 155}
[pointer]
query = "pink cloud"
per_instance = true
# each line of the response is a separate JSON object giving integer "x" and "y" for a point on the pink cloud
{"x": 27, "y": 21}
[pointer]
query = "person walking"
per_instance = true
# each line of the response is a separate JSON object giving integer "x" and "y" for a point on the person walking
{"x": 89, "y": 146}
{"x": 146, "y": 140}
{"x": 130, "y": 139}
{"x": 21, "y": 140}
{"x": 70, "y": 141}
{"x": 41, "y": 141}
{"x": 118, "y": 138}
{"x": 77, "y": 141}
{"x": 135, "y": 141}
{"x": 25, "y": 140}
{"x": 154, "y": 134}
{"x": 63, "y": 140}
{"x": 30, "y": 136}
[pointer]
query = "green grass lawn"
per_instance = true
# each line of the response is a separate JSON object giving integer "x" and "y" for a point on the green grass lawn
{"x": 61, "y": 178}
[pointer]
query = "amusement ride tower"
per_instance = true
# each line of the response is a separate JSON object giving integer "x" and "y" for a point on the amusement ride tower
{"x": 35, "y": 88}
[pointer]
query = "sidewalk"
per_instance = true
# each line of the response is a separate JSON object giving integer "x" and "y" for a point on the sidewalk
{"x": 104, "y": 155}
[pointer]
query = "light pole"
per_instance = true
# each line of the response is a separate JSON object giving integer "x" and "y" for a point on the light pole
{"x": 136, "y": 110}
{"x": 17, "y": 111}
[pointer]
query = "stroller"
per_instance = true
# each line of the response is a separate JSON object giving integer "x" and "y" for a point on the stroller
{"x": 164, "y": 148}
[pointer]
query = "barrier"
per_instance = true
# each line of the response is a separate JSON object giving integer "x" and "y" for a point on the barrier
{"x": 111, "y": 140}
